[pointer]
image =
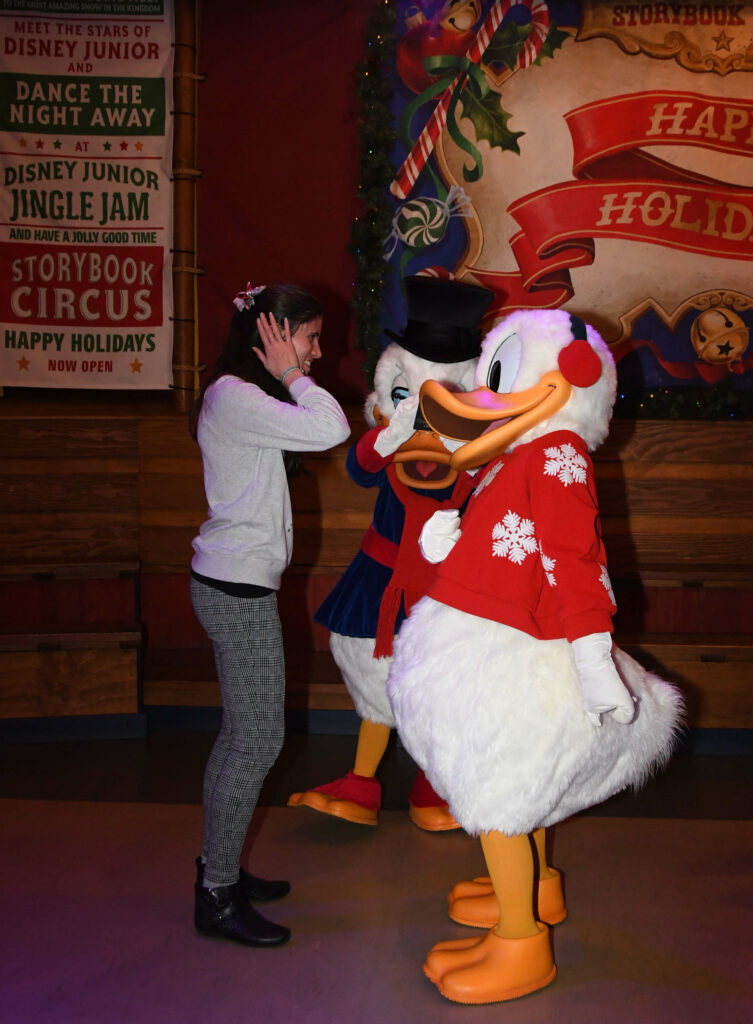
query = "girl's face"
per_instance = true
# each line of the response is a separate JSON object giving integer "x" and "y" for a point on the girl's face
{"x": 306, "y": 343}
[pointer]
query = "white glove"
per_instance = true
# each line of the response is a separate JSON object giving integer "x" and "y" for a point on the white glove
{"x": 603, "y": 690}
{"x": 440, "y": 534}
{"x": 399, "y": 429}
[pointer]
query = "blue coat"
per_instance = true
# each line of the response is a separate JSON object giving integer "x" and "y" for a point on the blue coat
{"x": 352, "y": 607}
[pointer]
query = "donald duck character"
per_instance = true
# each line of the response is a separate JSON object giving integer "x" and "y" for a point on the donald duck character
{"x": 505, "y": 684}
{"x": 410, "y": 468}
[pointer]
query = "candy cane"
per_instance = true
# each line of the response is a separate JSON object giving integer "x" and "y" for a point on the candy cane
{"x": 416, "y": 159}
{"x": 537, "y": 35}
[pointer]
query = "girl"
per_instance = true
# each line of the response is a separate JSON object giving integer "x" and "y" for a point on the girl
{"x": 256, "y": 412}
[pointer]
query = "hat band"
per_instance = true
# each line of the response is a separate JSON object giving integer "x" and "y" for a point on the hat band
{"x": 439, "y": 342}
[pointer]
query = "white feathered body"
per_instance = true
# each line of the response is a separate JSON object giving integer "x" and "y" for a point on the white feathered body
{"x": 365, "y": 677}
{"x": 495, "y": 719}
{"x": 493, "y": 715}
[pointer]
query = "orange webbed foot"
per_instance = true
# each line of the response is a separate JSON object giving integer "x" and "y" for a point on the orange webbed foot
{"x": 433, "y": 819}
{"x": 493, "y": 968}
{"x": 473, "y": 903}
{"x": 448, "y": 955}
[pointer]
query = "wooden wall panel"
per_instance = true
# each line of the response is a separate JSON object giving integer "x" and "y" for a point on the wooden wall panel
{"x": 326, "y": 485}
{"x": 29, "y": 604}
{"x": 332, "y": 549}
{"x": 32, "y": 437}
{"x": 666, "y": 441}
{"x": 640, "y": 542}
{"x": 91, "y": 488}
{"x": 172, "y": 484}
{"x": 702, "y": 489}
{"x": 37, "y": 684}
{"x": 167, "y": 611}
{"x": 74, "y": 492}
{"x": 68, "y": 537}
{"x": 68, "y": 489}
{"x": 712, "y": 610}
{"x": 111, "y": 467}
{"x": 165, "y": 540}
{"x": 173, "y": 678}
{"x": 168, "y": 438}
{"x": 713, "y": 676}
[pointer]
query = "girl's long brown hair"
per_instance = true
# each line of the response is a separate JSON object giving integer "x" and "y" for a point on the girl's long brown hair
{"x": 239, "y": 356}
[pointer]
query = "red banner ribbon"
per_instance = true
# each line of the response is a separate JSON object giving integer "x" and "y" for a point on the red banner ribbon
{"x": 623, "y": 192}
{"x": 622, "y": 124}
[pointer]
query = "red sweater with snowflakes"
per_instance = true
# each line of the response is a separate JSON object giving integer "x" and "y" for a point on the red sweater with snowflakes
{"x": 531, "y": 554}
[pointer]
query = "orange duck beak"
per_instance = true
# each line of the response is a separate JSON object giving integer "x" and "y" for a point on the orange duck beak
{"x": 487, "y": 422}
{"x": 421, "y": 462}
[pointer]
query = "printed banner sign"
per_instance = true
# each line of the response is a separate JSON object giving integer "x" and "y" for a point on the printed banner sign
{"x": 592, "y": 155}
{"x": 86, "y": 208}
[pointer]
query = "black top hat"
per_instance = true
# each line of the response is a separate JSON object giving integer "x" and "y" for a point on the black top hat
{"x": 444, "y": 318}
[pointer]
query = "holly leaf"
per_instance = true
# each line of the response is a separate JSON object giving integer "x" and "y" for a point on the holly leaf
{"x": 506, "y": 44}
{"x": 490, "y": 120}
{"x": 554, "y": 39}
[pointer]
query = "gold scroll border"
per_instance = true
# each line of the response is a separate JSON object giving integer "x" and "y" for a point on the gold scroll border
{"x": 675, "y": 45}
{"x": 701, "y": 301}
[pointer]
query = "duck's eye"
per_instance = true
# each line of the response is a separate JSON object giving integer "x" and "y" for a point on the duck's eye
{"x": 398, "y": 394}
{"x": 504, "y": 365}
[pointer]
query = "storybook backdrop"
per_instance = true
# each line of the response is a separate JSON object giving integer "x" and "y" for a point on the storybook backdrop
{"x": 594, "y": 155}
{"x": 86, "y": 209}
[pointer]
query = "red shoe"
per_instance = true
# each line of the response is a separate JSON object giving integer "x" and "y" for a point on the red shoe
{"x": 356, "y": 798}
{"x": 427, "y": 809}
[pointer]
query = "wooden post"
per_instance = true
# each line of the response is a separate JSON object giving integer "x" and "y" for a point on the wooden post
{"x": 185, "y": 175}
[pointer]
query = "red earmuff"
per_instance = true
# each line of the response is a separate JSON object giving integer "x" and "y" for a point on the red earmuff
{"x": 579, "y": 364}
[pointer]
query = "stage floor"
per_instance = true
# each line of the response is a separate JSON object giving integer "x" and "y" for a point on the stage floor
{"x": 97, "y": 902}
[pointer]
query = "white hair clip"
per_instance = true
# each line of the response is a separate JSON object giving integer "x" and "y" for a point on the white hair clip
{"x": 245, "y": 299}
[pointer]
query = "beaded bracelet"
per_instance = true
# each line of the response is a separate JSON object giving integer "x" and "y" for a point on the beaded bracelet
{"x": 286, "y": 372}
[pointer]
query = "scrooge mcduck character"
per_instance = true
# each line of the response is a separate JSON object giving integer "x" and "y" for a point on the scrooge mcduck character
{"x": 410, "y": 468}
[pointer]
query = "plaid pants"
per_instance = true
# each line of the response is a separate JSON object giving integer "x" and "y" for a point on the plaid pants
{"x": 247, "y": 641}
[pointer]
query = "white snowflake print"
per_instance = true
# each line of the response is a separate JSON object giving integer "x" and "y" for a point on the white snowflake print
{"x": 487, "y": 479}
{"x": 607, "y": 583}
{"x": 548, "y": 565}
{"x": 513, "y": 538}
{"x": 566, "y": 464}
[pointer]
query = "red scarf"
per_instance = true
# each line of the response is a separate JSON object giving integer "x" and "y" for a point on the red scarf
{"x": 412, "y": 574}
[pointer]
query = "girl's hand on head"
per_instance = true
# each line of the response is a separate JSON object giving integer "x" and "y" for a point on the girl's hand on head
{"x": 278, "y": 353}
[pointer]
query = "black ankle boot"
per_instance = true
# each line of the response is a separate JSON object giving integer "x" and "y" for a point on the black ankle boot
{"x": 223, "y": 913}
{"x": 253, "y": 889}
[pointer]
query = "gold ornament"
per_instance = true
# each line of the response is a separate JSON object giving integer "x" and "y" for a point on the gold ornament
{"x": 460, "y": 16}
{"x": 719, "y": 336}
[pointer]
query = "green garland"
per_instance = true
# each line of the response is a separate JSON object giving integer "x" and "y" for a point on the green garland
{"x": 376, "y": 140}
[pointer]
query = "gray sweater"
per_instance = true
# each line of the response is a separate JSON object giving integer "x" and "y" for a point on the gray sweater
{"x": 242, "y": 432}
